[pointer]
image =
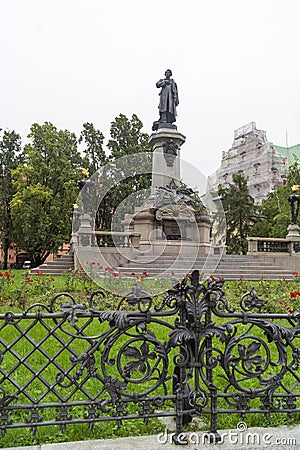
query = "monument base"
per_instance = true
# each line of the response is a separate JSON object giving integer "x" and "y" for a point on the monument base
{"x": 293, "y": 232}
{"x": 170, "y": 230}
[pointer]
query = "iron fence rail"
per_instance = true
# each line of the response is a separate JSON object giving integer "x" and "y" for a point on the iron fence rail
{"x": 68, "y": 363}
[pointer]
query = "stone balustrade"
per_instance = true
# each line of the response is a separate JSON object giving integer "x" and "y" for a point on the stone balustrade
{"x": 106, "y": 239}
{"x": 261, "y": 245}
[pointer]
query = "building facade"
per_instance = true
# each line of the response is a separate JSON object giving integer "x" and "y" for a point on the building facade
{"x": 252, "y": 154}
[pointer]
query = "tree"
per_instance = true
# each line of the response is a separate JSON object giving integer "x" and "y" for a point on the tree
{"x": 275, "y": 211}
{"x": 127, "y": 140}
{"x": 127, "y": 137}
{"x": 240, "y": 213}
{"x": 45, "y": 191}
{"x": 10, "y": 147}
{"x": 94, "y": 153}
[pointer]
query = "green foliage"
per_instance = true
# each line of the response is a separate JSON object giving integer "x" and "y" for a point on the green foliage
{"x": 127, "y": 137}
{"x": 127, "y": 140}
{"x": 94, "y": 152}
{"x": 38, "y": 186}
{"x": 45, "y": 184}
{"x": 10, "y": 147}
{"x": 274, "y": 215}
{"x": 275, "y": 211}
{"x": 240, "y": 213}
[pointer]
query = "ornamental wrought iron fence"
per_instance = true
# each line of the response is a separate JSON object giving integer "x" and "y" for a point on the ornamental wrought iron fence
{"x": 69, "y": 363}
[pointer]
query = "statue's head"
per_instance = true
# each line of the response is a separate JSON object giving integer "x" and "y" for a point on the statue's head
{"x": 168, "y": 73}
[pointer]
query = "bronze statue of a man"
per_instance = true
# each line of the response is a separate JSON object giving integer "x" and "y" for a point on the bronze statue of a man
{"x": 168, "y": 98}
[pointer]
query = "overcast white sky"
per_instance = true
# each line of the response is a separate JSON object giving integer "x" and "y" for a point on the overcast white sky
{"x": 234, "y": 61}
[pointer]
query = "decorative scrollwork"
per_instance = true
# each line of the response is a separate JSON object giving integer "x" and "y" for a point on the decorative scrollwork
{"x": 139, "y": 359}
{"x": 137, "y": 297}
{"x": 96, "y": 298}
{"x": 72, "y": 311}
{"x": 6, "y": 399}
{"x": 250, "y": 301}
{"x": 247, "y": 360}
{"x": 87, "y": 361}
{"x": 250, "y": 361}
{"x": 119, "y": 319}
{"x": 114, "y": 387}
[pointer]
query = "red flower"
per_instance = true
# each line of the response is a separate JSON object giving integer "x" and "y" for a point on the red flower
{"x": 293, "y": 294}
{"x": 132, "y": 274}
{"x": 12, "y": 281}
{"x": 145, "y": 273}
{"x": 29, "y": 280}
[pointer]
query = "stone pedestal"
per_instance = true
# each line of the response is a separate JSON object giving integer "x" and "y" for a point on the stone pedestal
{"x": 144, "y": 223}
{"x": 166, "y": 143}
{"x": 293, "y": 232}
{"x": 84, "y": 242}
{"x": 167, "y": 222}
{"x": 85, "y": 231}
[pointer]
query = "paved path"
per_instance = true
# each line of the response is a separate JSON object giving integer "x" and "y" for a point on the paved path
{"x": 281, "y": 438}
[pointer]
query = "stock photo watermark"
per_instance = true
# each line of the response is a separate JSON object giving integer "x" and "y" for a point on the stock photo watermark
{"x": 240, "y": 436}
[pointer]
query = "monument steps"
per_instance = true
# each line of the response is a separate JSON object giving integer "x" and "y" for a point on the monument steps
{"x": 57, "y": 267}
{"x": 229, "y": 267}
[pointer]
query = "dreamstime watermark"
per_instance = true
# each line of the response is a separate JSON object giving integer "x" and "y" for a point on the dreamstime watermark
{"x": 241, "y": 437}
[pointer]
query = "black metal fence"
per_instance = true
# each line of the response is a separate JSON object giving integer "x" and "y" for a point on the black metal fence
{"x": 190, "y": 355}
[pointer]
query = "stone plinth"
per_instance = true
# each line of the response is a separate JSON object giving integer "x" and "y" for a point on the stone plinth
{"x": 204, "y": 227}
{"x": 293, "y": 232}
{"x": 167, "y": 222}
{"x": 166, "y": 143}
{"x": 144, "y": 223}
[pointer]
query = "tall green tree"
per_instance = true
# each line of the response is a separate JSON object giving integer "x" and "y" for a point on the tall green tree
{"x": 93, "y": 140}
{"x": 10, "y": 147}
{"x": 94, "y": 159}
{"x": 127, "y": 137}
{"x": 240, "y": 213}
{"x": 46, "y": 189}
{"x": 127, "y": 140}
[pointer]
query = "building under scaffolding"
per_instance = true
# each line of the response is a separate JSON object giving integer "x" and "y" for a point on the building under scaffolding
{"x": 263, "y": 163}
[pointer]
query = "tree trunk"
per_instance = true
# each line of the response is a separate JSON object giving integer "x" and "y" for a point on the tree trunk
{"x": 5, "y": 252}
